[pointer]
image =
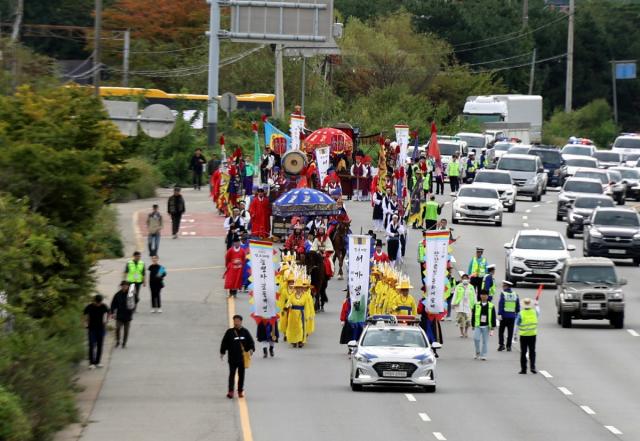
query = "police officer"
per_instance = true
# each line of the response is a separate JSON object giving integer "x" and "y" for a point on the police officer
{"x": 453, "y": 171}
{"x": 489, "y": 283}
{"x": 472, "y": 166}
{"x": 527, "y": 323}
{"x": 477, "y": 269}
{"x": 431, "y": 211}
{"x": 508, "y": 309}
{"x": 134, "y": 273}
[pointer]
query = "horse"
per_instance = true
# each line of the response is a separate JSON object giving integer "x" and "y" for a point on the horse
{"x": 314, "y": 262}
{"x": 339, "y": 241}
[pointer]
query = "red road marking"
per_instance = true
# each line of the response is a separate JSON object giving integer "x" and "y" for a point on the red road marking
{"x": 204, "y": 225}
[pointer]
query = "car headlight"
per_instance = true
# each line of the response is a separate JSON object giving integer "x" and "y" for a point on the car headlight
{"x": 595, "y": 233}
{"x": 562, "y": 260}
{"x": 426, "y": 360}
{"x": 518, "y": 258}
{"x": 563, "y": 198}
{"x": 618, "y": 295}
{"x": 636, "y": 236}
{"x": 531, "y": 180}
{"x": 362, "y": 358}
{"x": 569, "y": 296}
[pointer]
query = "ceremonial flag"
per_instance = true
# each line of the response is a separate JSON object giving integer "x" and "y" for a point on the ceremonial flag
{"x": 263, "y": 275}
{"x": 296, "y": 127}
{"x": 434, "y": 149}
{"x": 402, "y": 138}
{"x": 437, "y": 243}
{"x": 323, "y": 161}
{"x": 416, "y": 150}
{"x": 358, "y": 276}
{"x": 271, "y": 131}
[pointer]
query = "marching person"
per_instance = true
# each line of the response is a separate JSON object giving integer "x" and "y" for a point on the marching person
{"x": 472, "y": 166}
{"x": 439, "y": 177}
{"x": 379, "y": 256}
{"x": 432, "y": 210}
{"x": 175, "y": 208}
{"x": 322, "y": 244}
{"x": 267, "y": 163}
{"x": 260, "y": 211}
{"x": 394, "y": 232}
{"x": 404, "y": 304}
{"x": 96, "y": 315}
{"x": 234, "y": 225}
{"x": 157, "y": 273}
{"x": 378, "y": 215}
{"x": 483, "y": 322}
{"x": 134, "y": 273}
{"x": 295, "y": 242}
{"x": 234, "y": 263}
{"x": 247, "y": 176}
{"x": 453, "y": 171}
{"x": 477, "y": 269}
{"x": 197, "y": 165}
{"x": 359, "y": 173}
{"x": 508, "y": 309}
{"x": 463, "y": 301}
{"x": 299, "y": 305}
{"x": 389, "y": 207}
{"x": 123, "y": 311}
{"x": 315, "y": 223}
{"x": 527, "y": 323}
{"x": 154, "y": 228}
{"x": 236, "y": 342}
{"x": 267, "y": 335}
{"x": 489, "y": 282}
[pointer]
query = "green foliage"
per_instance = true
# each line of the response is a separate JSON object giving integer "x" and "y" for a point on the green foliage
{"x": 593, "y": 121}
{"x": 20, "y": 65}
{"x": 14, "y": 425}
{"x": 105, "y": 234}
{"x": 144, "y": 185}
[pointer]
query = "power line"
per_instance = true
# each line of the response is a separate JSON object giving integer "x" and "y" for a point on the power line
{"x": 498, "y": 59}
{"x": 543, "y": 60}
{"x": 168, "y": 51}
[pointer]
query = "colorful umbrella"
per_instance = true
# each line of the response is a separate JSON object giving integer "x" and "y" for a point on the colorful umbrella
{"x": 305, "y": 201}
{"x": 336, "y": 139}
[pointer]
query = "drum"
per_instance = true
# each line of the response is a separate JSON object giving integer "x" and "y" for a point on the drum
{"x": 293, "y": 162}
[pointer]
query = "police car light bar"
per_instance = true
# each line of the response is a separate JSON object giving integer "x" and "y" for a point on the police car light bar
{"x": 408, "y": 319}
{"x": 384, "y": 318}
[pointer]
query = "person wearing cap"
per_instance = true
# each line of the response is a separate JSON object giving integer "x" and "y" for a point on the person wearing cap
{"x": 489, "y": 283}
{"x": 233, "y": 225}
{"x": 453, "y": 171}
{"x": 389, "y": 207}
{"x": 508, "y": 310}
{"x": 295, "y": 242}
{"x": 394, "y": 232}
{"x": 176, "y": 208}
{"x": 235, "y": 342}
{"x": 404, "y": 304}
{"x": 316, "y": 222}
{"x": 120, "y": 307}
{"x": 472, "y": 166}
{"x": 234, "y": 263}
{"x": 477, "y": 269}
{"x": 463, "y": 300}
{"x": 527, "y": 323}
{"x": 483, "y": 322}
{"x": 322, "y": 244}
{"x": 379, "y": 256}
{"x": 378, "y": 215}
{"x": 260, "y": 212}
{"x": 483, "y": 159}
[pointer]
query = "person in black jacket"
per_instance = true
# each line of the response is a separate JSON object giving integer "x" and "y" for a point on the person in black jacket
{"x": 157, "y": 273}
{"x": 123, "y": 313}
{"x": 176, "y": 208}
{"x": 196, "y": 165}
{"x": 235, "y": 342}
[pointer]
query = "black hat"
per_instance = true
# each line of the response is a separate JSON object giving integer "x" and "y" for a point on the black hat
{"x": 378, "y": 243}
{"x": 236, "y": 238}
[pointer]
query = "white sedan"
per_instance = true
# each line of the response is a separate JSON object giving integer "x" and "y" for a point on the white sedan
{"x": 477, "y": 203}
{"x": 501, "y": 181}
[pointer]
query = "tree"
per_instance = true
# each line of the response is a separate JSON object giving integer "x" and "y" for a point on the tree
{"x": 593, "y": 121}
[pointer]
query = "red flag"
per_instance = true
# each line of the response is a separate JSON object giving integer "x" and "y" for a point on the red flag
{"x": 434, "y": 149}
{"x": 539, "y": 292}
{"x": 254, "y": 126}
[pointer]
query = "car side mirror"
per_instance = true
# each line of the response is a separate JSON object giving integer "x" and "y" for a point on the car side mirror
{"x": 436, "y": 345}
{"x": 508, "y": 246}
{"x": 571, "y": 247}
{"x": 622, "y": 281}
{"x": 586, "y": 222}
{"x": 541, "y": 170}
{"x": 352, "y": 344}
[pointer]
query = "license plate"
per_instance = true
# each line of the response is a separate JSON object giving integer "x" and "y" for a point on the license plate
{"x": 539, "y": 271}
{"x": 615, "y": 251}
{"x": 593, "y": 306}
{"x": 394, "y": 374}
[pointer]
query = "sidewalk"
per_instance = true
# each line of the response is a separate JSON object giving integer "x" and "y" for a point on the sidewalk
{"x": 169, "y": 383}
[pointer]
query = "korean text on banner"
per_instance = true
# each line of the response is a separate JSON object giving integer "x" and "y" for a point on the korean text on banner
{"x": 437, "y": 243}
{"x": 323, "y": 160}
{"x": 359, "y": 256}
{"x": 402, "y": 138}
{"x": 264, "y": 285}
{"x": 295, "y": 128}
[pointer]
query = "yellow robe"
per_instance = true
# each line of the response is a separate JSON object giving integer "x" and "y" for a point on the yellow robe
{"x": 297, "y": 321}
{"x": 405, "y": 302}
{"x": 281, "y": 304}
{"x": 309, "y": 313}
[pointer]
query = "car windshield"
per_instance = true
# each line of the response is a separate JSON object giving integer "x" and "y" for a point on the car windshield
{"x": 549, "y": 157}
{"x": 631, "y": 156}
{"x": 575, "y": 162}
{"x": 502, "y": 146}
{"x": 617, "y": 218}
{"x": 593, "y": 202}
{"x": 517, "y": 164}
{"x": 473, "y": 141}
{"x": 576, "y": 150}
{"x": 526, "y": 242}
{"x": 629, "y": 173}
{"x": 448, "y": 149}
{"x": 607, "y": 156}
{"x": 627, "y": 143}
{"x": 519, "y": 150}
{"x": 591, "y": 274}
{"x": 602, "y": 177}
{"x": 583, "y": 187}
{"x": 401, "y": 338}
{"x": 476, "y": 192}
{"x": 493, "y": 178}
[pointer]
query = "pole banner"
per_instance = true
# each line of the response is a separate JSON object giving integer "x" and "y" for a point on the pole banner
{"x": 263, "y": 274}
{"x": 358, "y": 269}
{"x": 437, "y": 243}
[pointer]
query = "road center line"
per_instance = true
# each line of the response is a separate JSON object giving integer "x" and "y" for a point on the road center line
{"x": 536, "y": 205}
{"x": 564, "y": 390}
{"x": 546, "y": 374}
{"x": 613, "y": 430}
{"x": 424, "y": 417}
{"x": 633, "y": 333}
{"x": 410, "y": 397}
{"x": 588, "y": 410}
{"x": 528, "y": 210}
{"x": 440, "y": 437}
{"x": 549, "y": 202}
{"x": 525, "y": 217}
{"x": 526, "y": 225}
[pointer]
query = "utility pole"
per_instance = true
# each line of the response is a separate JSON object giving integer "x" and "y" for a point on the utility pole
{"x": 212, "y": 84}
{"x": 615, "y": 91}
{"x": 525, "y": 13}
{"x": 125, "y": 58}
{"x": 96, "y": 51}
{"x": 533, "y": 71}
{"x": 304, "y": 80}
{"x": 17, "y": 23}
{"x": 279, "y": 86}
{"x": 568, "y": 96}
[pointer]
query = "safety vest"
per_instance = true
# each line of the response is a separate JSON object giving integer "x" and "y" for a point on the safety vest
{"x": 453, "y": 168}
{"x": 476, "y": 314}
{"x": 135, "y": 271}
{"x": 528, "y": 322}
{"x": 492, "y": 288}
{"x": 478, "y": 267}
{"x": 447, "y": 288}
{"x": 472, "y": 167}
{"x": 510, "y": 301}
{"x": 431, "y": 210}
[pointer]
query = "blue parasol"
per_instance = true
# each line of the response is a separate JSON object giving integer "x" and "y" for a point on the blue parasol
{"x": 306, "y": 202}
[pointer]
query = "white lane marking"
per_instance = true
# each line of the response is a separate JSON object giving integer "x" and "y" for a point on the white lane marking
{"x": 528, "y": 210}
{"x": 588, "y": 410}
{"x": 613, "y": 430}
{"x": 410, "y": 397}
{"x": 189, "y": 220}
{"x": 546, "y": 374}
{"x": 536, "y": 205}
{"x": 525, "y": 217}
{"x": 549, "y": 202}
{"x": 565, "y": 391}
{"x": 424, "y": 417}
{"x": 633, "y": 333}
{"x": 188, "y": 233}
{"x": 526, "y": 225}
{"x": 440, "y": 437}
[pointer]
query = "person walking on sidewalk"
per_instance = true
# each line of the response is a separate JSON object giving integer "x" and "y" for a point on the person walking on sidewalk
{"x": 154, "y": 228}
{"x": 134, "y": 273}
{"x": 483, "y": 322}
{"x": 236, "y": 342}
{"x": 175, "y": 208}
{"x": 157, "y": 273}
{"x": 197, "y": 165}
{"x": 96, "y": 315}
{"x": 527, "y": 323}
{"x": 122, "y": 307}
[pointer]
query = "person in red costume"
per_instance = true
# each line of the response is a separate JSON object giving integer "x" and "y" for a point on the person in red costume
{"x": 379, "y": 256}
{"x": 260, "y": 211}
{"x": 234, "y": 262}
{"x": 331, "y": 184}
{"x": 296, "y": 241}
{"x": 322, "y": 244}
{"x": 343, "y": 217}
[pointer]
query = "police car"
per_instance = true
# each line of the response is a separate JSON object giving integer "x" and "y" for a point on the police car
{"x": 393, "y": 351}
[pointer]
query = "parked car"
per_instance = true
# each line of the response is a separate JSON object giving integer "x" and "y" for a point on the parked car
{"x": 572, "y": 189}
{"x": 581, "y": 209}
{"x": 501, "y": 181}
{"x": 554, "y": 165}
{"x": 575, "y": 162}
{"x": 631, "y": 178}
{"x": 590, "y": 289}
{"x": 527, "y": 173}
{"x": 614, "y": 233}
{"x": 477, "y": 203}
{"x": 608, "y": 158}
{"x": 536, "y": 256}
{"x": 577, "y": 150}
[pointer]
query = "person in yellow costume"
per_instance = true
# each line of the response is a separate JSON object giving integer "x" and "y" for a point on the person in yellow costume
{"x": 309, "y": 311}
{"x": 374, "y": 281}
{"x": 391, "y": 294}
{"x": 297, "y": 306}
{"x": 286, "y": 290}
{"x": 404, "y": 303}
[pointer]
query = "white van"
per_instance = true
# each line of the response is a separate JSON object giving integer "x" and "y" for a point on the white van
{"x": 626, "y": 143}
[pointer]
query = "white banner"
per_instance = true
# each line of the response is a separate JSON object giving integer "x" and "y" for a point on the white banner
{"x": 402, "y": 138}
{"x": 263, "y": 274}
{"x": 436, "y": 263}
{"x": 323, "y": 160}
{"x": 359, "y": 259}
{"x": 296, "y": 127}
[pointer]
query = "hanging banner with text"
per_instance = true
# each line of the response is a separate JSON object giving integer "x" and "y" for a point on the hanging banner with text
{"x": 437, "y": 244}
{"x": 402, "y": 138}
{"x": 264, "y": 284}
{"x": 359, "y": 258}
{"x": 323, "y": 160}
{"x": 296, "y": 126}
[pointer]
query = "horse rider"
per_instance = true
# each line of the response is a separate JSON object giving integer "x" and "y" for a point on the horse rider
{"x": 296, "y": 241}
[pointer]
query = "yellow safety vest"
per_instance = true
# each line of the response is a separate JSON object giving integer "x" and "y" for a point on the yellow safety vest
{"x": 528, "y": 323}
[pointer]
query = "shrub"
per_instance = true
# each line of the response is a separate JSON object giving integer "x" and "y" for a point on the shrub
{"x": 146, "y": 179}
{"x": 105, "y": 235}
{"x": 593, "y": 121}
{"x": 14, "y": 425}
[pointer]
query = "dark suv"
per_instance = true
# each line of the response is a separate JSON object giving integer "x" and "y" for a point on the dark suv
{"x": 553, "y": 164}
{"x": 581, "y": 209}
{"x": 614, "y": 233}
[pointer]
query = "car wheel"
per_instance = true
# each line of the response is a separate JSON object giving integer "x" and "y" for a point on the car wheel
{"x": 570, "y": 233}
{"x": 617, "y": 320}
{"x": 430, "y": 388}
{"x": 499, "y": 223}
{"x": 585, "y": 252}
{"x": 565, "y": 319}
{"x": 559, "y": 217}
{"x": 621, "y": 200}
{"x": 544, "y": 190}
{"x": 454, "y": 220}
{"x": 356, "y": 387}
{"x": 636, "y": 261}
{"x": 512, "y": 208}
{"x": 558, "y": 319}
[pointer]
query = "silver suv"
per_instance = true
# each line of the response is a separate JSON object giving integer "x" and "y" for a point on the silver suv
{"x": 527, "y": 173}
{"x": 590, "y": 289}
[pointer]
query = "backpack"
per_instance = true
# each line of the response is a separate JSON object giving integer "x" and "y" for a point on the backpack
{"x": 131, "y": 297}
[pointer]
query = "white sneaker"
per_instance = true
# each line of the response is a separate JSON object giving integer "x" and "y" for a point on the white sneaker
{"x": 159, "y": 310}
{"x": 153, "y": 310}
{"x": 99, "y": 365}
{"x": 476, "y": 357}
{"x": 483, "y": 358}
{"x": 92, "y": 366}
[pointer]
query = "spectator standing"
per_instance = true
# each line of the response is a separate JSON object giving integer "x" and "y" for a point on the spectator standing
{"x": 96, "y": 315}
{"x": 176, "y": 208}
{"x": 197, "y": 166}
{"x": 154, "y": 229}
{"x": 236, "y": 342}
{"x": 122, "y": 307}
{"x": 157, "y": 273}
{"x": 134, "y": 273}
{"x": 247, "y": 179}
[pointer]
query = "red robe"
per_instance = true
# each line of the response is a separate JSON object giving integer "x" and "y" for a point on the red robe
{"x": 260, "y": 211}
{"x": 295, "y": 243}
{"x": 382, "y": 257}
{"x": 215, "y": 186}
{"x": 234, "y": 262}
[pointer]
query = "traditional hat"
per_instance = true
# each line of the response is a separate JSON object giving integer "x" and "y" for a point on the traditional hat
{"x": 236, "y": 238}
{"x": 297, "y": 227}
{"x": 302, "y": 281}
{"x": 379, "y": 243}
{"x": 404, "y": 283}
